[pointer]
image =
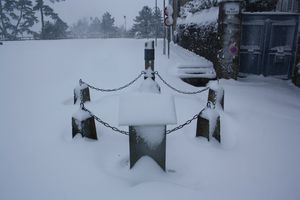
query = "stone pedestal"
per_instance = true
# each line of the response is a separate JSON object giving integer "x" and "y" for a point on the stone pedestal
{"x": 139, "y": 146}
{"x": 84, "y": 125}
{"x": 81, "y": 94}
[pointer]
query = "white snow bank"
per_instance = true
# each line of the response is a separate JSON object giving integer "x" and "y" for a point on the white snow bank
{"x": 203, "y": 17}
{"x": 257, "y": 159}
{"x": 146, "y": 109}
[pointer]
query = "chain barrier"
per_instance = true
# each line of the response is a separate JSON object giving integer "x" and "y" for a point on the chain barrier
{"x": 127, "y": 133}
{"x": 179, "y": 91}
{"x": 115, "y": 89}
{"x": 209, "y": 104}
{"x": 186, "y": 123}
{"x": 103, "y": 122}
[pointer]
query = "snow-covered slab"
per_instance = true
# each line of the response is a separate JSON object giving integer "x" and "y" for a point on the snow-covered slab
{"x": 138, "y": 109}
{"x": 204, "y": 64}
{"x": 200, "y": 75}
{"x": 196, "y": 72}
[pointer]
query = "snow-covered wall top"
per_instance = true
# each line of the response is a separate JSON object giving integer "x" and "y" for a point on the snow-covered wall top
{"x": 138, "y": 109}
{"x": 203, "y": 17}
{"x": 199, "y": 12}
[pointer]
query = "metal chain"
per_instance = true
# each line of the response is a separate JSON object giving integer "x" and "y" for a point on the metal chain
{"x": 179, "y": 91}
{"x": 115, "y": 89}
{"x": 186, "y": 123}
{"x": 127, "y": 133}
{"x": 104, "y": 123}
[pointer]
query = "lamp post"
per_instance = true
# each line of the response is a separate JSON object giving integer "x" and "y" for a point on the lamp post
{"x": 156, "y": 23}
{"x": 164, "y": 44}
{"x": 125, "y": 23}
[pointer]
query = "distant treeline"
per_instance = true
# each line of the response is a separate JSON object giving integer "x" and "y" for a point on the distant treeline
{"x": 17, "y": 17}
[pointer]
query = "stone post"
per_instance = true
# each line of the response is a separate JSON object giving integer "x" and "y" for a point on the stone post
{"x": 81, "y": 93}
{"x": 84, "y": 124}
{"x": 139, "y": 148}
{"x": 149, "y": 58}
{"x": 229, "y": 30}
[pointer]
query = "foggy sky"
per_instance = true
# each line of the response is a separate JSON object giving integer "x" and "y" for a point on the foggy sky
{"x": 72, "y": 10}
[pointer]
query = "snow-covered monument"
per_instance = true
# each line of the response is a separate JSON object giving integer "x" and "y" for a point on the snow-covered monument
{"x": 241, "y": 36}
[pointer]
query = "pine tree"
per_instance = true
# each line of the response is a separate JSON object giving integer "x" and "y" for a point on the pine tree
{"x": 95, "y": 26}
{"x": 158, "y": 22}
{"x": 80, "y": 28}
{"x": 45, "y": 10}
{"x": 56, "y": 30}
{"x": 25, "y": 19}
{"x": 107, "y": 24}
{"x": 17, "y": 17}
{"x": 143, "y": 23}
{"x": 6, "y": 8}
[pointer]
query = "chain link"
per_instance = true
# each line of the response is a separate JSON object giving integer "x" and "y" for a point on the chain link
{"x": 186, "y": 123}
{"x": 104, "y": 123}
{"x": 179, "y": 91}
{"x": 115, "y": 89}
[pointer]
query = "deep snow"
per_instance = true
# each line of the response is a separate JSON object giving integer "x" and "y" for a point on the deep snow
{"x": 258, "y": 158}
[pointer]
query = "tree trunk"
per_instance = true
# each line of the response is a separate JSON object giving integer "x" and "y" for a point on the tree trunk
{"x": 42, "y": 21}
{"x": 15, "y": 32}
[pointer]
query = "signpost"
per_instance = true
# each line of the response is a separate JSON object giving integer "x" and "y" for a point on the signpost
{"x": 168, "y": 21}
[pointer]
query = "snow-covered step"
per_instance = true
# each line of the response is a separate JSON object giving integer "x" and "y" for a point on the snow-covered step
{"x": 196, "y": 74}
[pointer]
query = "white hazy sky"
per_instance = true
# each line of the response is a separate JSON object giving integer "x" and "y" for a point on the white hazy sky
{"x": 72, "y": 10}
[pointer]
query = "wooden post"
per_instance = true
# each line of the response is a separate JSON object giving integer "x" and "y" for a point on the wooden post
{"x": 205, "y": 129}
{"x": 217, "y": 130}
{"x": 139, "y": 148}
{"x": 202, "y": 127}
{"x": 206, "y": 124}
{"x": 81, "y": 93}
{"x": 216, "y": 97}
{"x": 84, "y": 124}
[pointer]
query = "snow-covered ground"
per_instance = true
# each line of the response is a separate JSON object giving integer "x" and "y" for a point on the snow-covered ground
{"x": 259, "y": 157}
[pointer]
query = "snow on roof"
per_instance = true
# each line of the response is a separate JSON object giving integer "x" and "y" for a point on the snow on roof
{"x": 146, "y": 109}
{"x": 203, "y": 17}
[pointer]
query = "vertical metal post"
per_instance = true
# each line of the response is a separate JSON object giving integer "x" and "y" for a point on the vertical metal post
{"x": 164, "y": 45}
{"x": 169, "y": 40}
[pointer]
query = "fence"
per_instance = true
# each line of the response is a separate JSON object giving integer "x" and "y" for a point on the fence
{"x": 106, "y": 124}
{"x": 83, "y": 121}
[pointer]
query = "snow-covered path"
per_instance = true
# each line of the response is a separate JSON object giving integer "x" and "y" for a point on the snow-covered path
{"x": 258, "y": 159}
